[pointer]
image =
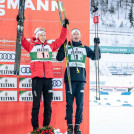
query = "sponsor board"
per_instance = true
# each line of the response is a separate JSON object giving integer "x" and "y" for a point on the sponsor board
{"x": 7, "y": 56}
{"x": 25, "y": 56}
{"x": 8, "y": 95}
{"x": 25, "y": 96}
{"x": 113, "y": 49}
{"x": 94, "y": 83}
{"x": 6, "y": 69}
{"x": 25, "y": 70}
{"x": 57, "y": 96}
{"x": 57, "y": 83}
{"x": 6, "y": 82}
{"x": 7, "y": 43}
{"x": 93, "y": 89}
{"x": 29, "y": 4}
{"x": 121, "y": 89}
{"x": 57, "y": 71}
{"x": 25, "y": 83}
{"x": 107, "y": 89}
{"x": 110, "y": 89}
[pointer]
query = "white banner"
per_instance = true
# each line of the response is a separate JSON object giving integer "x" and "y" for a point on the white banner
{"x": 8, "y": 82}
{"x": 8, "y": 95}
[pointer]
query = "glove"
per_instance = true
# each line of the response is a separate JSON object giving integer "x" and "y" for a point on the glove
{"x": 65, "y": 22}
{"x": 18, "y": 18}
{"x": 65, "y": 41}
{"x": 96, "y": 41}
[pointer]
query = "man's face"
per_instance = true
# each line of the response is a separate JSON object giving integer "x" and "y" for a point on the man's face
{"x": 42, "y": 37}
{"x": 75, "y": 37}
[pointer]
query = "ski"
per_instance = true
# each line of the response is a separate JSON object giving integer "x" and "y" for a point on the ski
{"x": 20, "y": 21}
{"x": 96, "y": 21}
{"x": 66, "y": 51}
{"x": 69, "y": 36}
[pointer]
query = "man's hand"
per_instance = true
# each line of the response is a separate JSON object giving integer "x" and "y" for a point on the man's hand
{"x": 96, "y": 41}
{"x": 65, "y": 22}
{"x": 18, "y": 18}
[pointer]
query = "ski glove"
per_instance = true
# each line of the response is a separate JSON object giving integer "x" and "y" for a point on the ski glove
{"x": 18, "y": 18}
{"x": 65, "y": 22}
{"x": 97, "y": 41}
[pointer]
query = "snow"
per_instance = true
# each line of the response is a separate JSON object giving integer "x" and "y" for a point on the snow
{"x": 111, "y": 120}
{"x": 113, "y": 113}
{"x": 114, "y": 28}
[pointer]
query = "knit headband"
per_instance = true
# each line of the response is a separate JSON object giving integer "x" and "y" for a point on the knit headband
{"x": 75, "y": 30}
{"x": 39, "y": 31}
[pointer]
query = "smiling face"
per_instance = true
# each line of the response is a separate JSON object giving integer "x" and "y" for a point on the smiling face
{"x": 75, "y": 36}
{"x": 42, "y": 37}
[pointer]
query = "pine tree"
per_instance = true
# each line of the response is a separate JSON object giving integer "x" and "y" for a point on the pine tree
{"x": 126, "y": 9}
{"x": 111, "y": 10}
{"x": 92, "y": 3}
{"x": 131, "y": 19}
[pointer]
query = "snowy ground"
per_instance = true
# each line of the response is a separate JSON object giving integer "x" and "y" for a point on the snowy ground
{"x": 112, "y": 114}
{"x": 111, "y": 120}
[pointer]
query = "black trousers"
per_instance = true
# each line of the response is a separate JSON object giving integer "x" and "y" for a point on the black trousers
{"x": 40, "y": 85}
{"x": 78, "y": 94}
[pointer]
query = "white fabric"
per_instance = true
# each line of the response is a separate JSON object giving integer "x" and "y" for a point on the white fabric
{"x": 75, "y": 30}
{"x": 39, "y": 31}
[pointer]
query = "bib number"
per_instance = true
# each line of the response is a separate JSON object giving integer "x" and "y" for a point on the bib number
{"x": 43, "y": 55}
{"x": 76, "y": 57}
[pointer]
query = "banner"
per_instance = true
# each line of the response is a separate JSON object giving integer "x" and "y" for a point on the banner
{"x": 15, "y": 92}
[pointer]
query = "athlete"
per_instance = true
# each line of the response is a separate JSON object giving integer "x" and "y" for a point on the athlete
{"x": 41, "y": 70}
{"x": 78, "y": 77}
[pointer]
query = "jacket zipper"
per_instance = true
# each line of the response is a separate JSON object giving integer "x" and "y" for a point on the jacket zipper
{"x": 43, "y": 69}
{"x": 43, "y": 63}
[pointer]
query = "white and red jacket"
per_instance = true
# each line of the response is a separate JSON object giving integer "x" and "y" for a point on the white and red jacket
{"x": 41, "y": 54}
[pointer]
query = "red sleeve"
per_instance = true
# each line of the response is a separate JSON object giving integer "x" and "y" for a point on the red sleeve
{"x": 58, "y": 42}
{"x": 26, "y": 44}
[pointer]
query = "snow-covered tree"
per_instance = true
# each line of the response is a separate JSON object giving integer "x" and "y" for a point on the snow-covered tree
{"x": 131, "y": 18}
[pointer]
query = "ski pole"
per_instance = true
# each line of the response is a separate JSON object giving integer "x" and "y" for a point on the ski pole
{"x": 96, "y": 21}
